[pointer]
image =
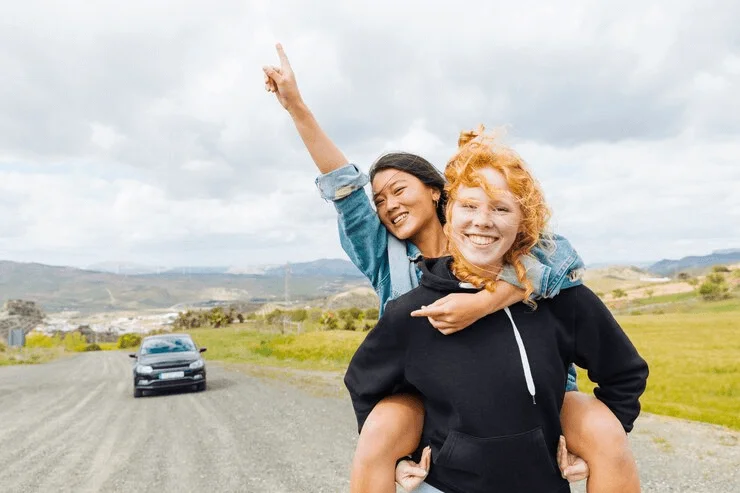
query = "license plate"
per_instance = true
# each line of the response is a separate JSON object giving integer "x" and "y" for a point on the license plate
{"x": 171, "y": 374}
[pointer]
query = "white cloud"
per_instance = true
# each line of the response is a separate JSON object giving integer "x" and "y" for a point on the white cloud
{"x": 142, "y": 132}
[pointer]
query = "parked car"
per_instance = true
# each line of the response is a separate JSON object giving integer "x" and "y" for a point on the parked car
{"x": 167, "y": 361}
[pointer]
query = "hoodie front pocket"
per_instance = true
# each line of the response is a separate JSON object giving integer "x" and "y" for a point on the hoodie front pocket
{"x": 511, "y": 463}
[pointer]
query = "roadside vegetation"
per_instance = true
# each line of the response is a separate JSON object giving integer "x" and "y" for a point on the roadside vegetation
{"x": 42, "y": 348}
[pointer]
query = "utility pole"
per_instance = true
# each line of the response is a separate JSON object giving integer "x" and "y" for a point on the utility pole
{"x": 287, "y": 293}
{"x": 287, "y": 283}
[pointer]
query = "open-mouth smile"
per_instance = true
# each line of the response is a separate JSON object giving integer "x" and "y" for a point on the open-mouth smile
{"x": 481, "y": 240}
{"x": 399, "y": 218}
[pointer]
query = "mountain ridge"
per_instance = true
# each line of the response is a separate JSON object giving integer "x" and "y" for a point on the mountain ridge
{"x": 59, "y": 288}
{"x": 668, "y": 267}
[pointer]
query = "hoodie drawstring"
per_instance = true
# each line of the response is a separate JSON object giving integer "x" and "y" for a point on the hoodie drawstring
{"x": 523, "y": 356}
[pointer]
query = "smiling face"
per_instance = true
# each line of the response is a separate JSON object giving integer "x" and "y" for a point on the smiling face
{"x": 405, "y": 205}
{"x": 483, "y": 227}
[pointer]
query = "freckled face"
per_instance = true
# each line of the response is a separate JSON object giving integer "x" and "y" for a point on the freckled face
{"x": 484, "y": 228}
{"x": 404, "y": 203}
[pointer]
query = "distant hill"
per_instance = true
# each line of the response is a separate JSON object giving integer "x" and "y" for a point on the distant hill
{"x": 693, "y": 263}
{"x": 124, "y": 268}
{"x": 321, "y": 267}
{"x": 67, "y": 288}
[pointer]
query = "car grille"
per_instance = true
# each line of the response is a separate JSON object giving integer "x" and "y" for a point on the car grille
{"x": 171, "y": 364}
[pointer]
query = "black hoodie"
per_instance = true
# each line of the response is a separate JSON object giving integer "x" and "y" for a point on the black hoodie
{"x": 492, "y": 423}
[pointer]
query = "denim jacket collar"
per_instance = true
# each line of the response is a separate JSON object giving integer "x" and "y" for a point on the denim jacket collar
{"x": 402, "y": 257}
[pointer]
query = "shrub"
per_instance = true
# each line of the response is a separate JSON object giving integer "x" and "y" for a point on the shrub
{"x": 354, "y": 313}
{"x": 619, "y": 293}
{"x": 372, "y": 314}
{"x": 191, "y": 319}
{"x": 683, "y": 276}
{"x": 3, "y": 347}
{"x": 74, "y": 341}
{"x": 217, "y": 317}
{"x": 649, "y": 293}
{"x": 299, "y": 315}
{"x": 348, "y": 325}
{"x": 39, "y": 340}
{"x": 715, "y": 278}
{"x": 329, "y": 321}
{"x": 720, "y": 268}
{"x": 712, "y": 290}
{"x": 274, "y": 317}
{"x": 129, "y": 341}
{"x": 92, "y": 347}
{"x": 368, "y": 326}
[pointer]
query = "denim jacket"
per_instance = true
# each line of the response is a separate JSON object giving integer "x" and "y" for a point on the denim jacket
{"x": 390, "y": 263}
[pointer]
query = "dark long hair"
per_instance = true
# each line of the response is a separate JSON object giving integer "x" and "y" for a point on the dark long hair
{"x": 420, "y": 168}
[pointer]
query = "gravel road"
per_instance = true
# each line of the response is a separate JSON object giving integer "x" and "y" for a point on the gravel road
{"x": 73, "y": 426}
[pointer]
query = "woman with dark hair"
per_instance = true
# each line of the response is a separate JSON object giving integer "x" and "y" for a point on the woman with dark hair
{"x": 387, "y": 245}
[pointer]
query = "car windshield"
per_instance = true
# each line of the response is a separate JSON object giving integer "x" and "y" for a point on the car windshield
{"x": 167, "y": 345}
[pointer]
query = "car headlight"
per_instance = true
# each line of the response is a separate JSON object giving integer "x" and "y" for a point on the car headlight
{"x": 143, "y": 369}
{"x": 196, "y": 365}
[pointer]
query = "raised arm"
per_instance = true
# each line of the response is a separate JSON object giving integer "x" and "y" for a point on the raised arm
{"x": 281, "y": 81}
{"x": 363, "y": 237}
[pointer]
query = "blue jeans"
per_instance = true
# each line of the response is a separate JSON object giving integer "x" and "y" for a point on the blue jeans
{"x": 426, "y": 488}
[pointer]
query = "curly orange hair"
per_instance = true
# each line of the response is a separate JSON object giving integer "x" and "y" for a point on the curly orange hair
{"x": 478, "y": 150}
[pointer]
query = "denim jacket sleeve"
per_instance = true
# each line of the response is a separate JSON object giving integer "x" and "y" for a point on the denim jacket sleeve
{"x": 553, "y": 265}
{"x": 362, "y": 235}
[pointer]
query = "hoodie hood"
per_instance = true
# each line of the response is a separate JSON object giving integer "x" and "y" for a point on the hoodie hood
{"x": 437, "y": 275}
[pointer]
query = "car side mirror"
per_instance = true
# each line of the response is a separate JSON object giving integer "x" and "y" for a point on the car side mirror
{"x": 132, "y": 355}
{"x": 202, "y": 350}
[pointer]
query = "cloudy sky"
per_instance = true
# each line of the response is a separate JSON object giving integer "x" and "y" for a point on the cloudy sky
{"x": 140, "y": 131}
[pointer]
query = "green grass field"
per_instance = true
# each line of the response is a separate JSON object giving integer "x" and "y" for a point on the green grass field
{"x": 694, "y": 363}
{"x": 328, "y": 350}
{"x": 693, "y": 353}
